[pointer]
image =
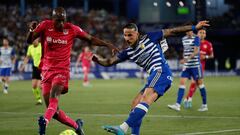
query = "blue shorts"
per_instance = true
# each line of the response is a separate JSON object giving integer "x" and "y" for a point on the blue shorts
{"x": 195, "y": 73}
{"x": 5, "y": 71}
{"x": 159, "y": 81}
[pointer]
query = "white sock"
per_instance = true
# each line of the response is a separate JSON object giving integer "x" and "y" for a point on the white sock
{"x": 124, "y": 126}
{"x": 190, "y": 99}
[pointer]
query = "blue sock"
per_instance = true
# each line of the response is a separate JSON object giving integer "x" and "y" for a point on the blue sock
{"x": 136, "y": 129}
{"x": 203, "y": 94}
{"x": 181, "y": 91}
{"x": 137, "y": 114}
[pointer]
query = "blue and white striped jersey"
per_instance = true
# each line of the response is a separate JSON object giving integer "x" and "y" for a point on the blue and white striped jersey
{"x": 147, "y": 53}
{"x": 6, "y": 57}
{"x": 188, "y": 48}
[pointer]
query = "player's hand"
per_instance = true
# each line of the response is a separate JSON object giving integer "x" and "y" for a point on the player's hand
{"x": 202, "y": 24}
{"x": 182, "y": 61}
{"x": 32, "y": 25}
{"x": 95, "y": 58}
{"x": 114, "y": 49}
{"x": 21, "y": 69}
{"x": 202, "y": 57}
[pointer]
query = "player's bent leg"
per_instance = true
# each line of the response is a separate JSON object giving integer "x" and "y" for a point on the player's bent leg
{"x": 53, "y": 101}
{"x": 136, "y": 100}
{"x": 64, "y": 119}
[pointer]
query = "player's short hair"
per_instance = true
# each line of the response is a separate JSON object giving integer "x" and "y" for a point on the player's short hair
{"x": 203, "y": 28}
{"x": 131, "y": 26}
{"x": 59, "y": 12}
{"x": 5, "y": 37}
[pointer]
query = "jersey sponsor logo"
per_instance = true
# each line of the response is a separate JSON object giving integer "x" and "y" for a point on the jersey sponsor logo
{"x": 65, "y": 31}
{"x": 56, "y": 41}
{"x": 50, "y": 29}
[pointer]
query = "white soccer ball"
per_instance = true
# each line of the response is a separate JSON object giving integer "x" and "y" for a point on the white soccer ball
{"x": 68, "y": 132}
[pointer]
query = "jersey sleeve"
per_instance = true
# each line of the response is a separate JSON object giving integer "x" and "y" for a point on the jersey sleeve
{"x": 13, "y": 52}
{"x": 123, "y": 55}
{"x": 79, "y": 32}
{"x": 210, "y": 50}
{"x": 197, "y": 41}
{"x": 40, "y": 27}
{"x": 155, "y": 36}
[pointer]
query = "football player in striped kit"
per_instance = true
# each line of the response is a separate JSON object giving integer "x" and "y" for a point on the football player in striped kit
{"x": 145, "y": 50}
{"x": 191, "y": 69}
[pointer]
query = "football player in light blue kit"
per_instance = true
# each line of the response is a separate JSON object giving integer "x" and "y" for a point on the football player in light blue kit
{"x": 145, "y": 51}
{"x": 191, "y": 69}
{"x": 7, "y": 59}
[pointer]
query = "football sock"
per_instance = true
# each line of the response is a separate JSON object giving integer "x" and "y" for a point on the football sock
{"x": 191, "y": 90}
{"x": 136, "y": 129}
{"x": 180, "y": 93}
{"x": 5, "y": 85}
{"x": 36, "y": 93}
{"x": 63, "y": 118}
{"x": 137, "y": 114}
{"x": 52, "y": 108}
{"x": 203, "y": 94}
{"x": 124, "y": 126}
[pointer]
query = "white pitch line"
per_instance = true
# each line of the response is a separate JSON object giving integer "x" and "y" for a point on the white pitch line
{"x": 125, "y": 115}
{"x": 211, "y": 132}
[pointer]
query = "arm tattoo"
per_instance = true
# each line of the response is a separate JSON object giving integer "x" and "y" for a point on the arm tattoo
{"x": 176, "y": 30}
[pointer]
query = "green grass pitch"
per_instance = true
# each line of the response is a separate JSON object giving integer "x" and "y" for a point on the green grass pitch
{"x": 108, "y": 103}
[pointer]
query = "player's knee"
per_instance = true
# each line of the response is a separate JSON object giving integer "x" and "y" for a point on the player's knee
{"x": 34, "y": 86}
{"x": 56, "y": 90}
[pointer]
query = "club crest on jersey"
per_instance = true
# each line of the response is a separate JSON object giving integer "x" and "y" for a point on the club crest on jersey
{"x": 142, "y": 46}
{"x": 65, "y": 31}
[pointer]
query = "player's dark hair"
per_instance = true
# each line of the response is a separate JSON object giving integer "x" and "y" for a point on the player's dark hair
{"x": 203, "y": 28}
{"x": 59, "y": 12}
{"x": 131, "y": 26}
{"x": 5, "y": 37}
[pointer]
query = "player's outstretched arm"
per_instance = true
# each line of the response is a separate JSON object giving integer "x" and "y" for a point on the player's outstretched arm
{"x": 99, "y": 42}
{"x": 182, "y": 29}
{"x": 105, "y": 62}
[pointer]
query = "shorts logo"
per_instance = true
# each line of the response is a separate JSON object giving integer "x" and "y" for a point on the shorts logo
{"x": 170, "y": 78}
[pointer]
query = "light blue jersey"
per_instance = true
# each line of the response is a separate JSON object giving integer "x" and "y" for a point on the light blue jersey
{"x": 148, "y": 55}
{"x": 6, "y": 55}
{"x": 188, "y": 48}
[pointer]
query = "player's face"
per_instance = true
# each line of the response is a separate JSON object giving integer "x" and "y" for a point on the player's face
{"x": 189, "y": 33}
{"x": 59, "y": 22}
{"x": 130, "y": 36}
{"x": 86, "y": 49}
{"x": 5, "y": 42}
{"x": 202, "y": 34}
{"x": 35, "y": 43}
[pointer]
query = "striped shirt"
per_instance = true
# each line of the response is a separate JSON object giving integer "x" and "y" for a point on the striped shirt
{"x": 6, "y": 55}
{"x": 188, "y": 48}
{"x": 147, "y": 53}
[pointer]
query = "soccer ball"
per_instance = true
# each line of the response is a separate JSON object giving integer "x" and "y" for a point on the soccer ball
{"x": 68, "y": 132}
